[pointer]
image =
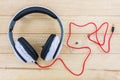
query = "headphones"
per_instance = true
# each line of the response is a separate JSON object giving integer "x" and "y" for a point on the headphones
{"x": 22, "y": 48}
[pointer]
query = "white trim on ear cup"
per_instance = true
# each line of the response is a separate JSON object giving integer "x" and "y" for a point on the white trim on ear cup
{"x": 23, "y": 52}
{"x": 52, "y": 49}
{"x": 17, "y": 55}
{"x": 58, "y": 52}
{"x": 15, "y": 51}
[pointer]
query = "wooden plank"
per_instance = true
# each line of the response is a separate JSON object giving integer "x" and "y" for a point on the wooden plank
{"x": 44, "y": 24}
{"x": 92, "y": 7}
{"x": 109, "y": 62}
{"x": 109, "y": 68}
{"x": 59, "y": 75}
{"x": 37, "y": 27}
{"x": 38, "y": 40}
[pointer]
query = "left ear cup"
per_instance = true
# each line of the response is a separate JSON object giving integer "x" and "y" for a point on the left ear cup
{"x": 50, "y": 47}
{"x": 26, "y": 50}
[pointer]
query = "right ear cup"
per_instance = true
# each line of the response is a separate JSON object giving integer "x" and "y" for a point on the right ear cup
{"x": 26, "y": 50}
{"x": 49, "y": 49}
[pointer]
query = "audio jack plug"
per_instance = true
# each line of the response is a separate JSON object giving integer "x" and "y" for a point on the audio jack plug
{"x": 113, "y": 28}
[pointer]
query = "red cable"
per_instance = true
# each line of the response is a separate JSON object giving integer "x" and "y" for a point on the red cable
{"x": 85, "y": 47}
{"x": 97, "y": 35}
{"x": 97, "y": 42}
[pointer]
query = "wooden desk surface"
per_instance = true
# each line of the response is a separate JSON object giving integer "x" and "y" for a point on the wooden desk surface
{"x": 36, "y": 29}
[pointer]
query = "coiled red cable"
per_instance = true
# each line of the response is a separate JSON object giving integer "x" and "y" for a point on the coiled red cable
{"x": 84, "y": 47}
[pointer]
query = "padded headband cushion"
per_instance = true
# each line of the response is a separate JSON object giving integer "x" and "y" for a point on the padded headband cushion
{"x": 30, "y": 50}
{"x": 50, "y": 47}
{"x": 34, "y": 10}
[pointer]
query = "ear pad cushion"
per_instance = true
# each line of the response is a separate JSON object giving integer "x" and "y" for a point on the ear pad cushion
{"x": 50, "y": 47}
{"x": 28, "y": 48}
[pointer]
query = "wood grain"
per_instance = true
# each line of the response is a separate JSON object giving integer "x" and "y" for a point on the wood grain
{"x": 9, "y": 61}
{"x": 44, "y": 24}
{"x": 68, "y": 7}
{"x": 37, "y": 27}
{"x": 38, "y": 40}
{"x": 51, "y": 75}
{"x": 106, "y": 69}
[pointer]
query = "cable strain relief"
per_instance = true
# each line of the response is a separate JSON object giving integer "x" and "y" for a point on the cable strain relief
{"x": 36, "y": 63}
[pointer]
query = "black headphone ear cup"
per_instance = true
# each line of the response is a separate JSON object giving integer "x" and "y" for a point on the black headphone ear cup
{"x": 23, "y": 46}
{"x": 50, "y": 47}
